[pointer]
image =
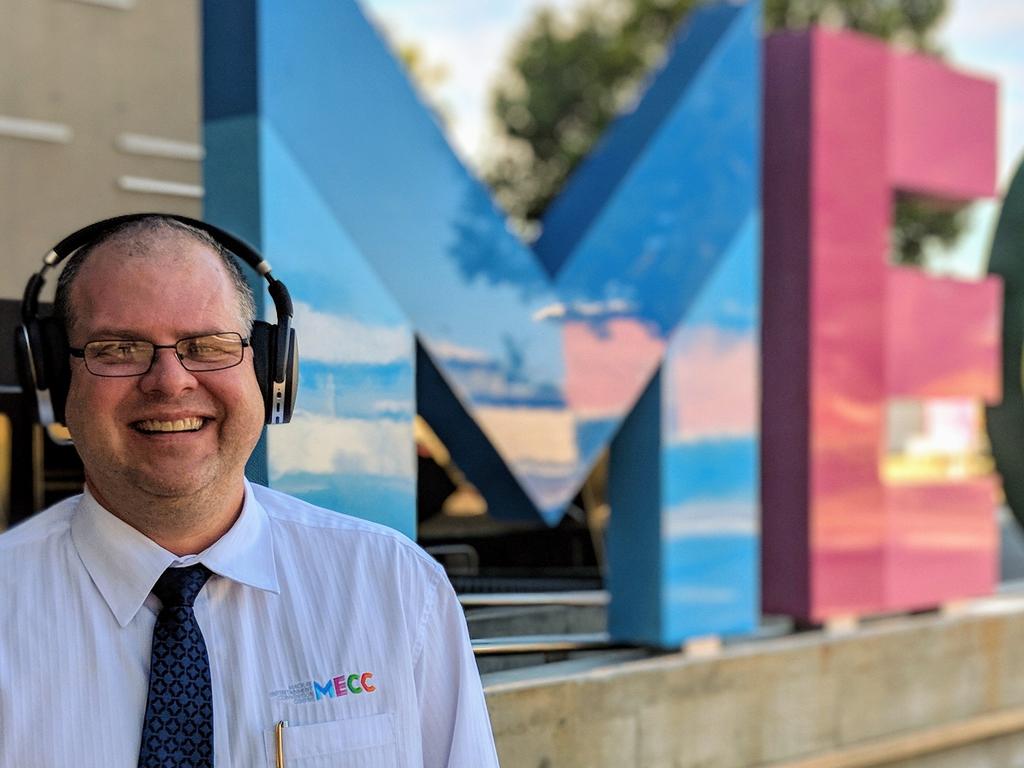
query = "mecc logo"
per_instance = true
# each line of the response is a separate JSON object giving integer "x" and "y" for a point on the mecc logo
{"x": 310, "y": 691}
{"x": 342, "y": 686}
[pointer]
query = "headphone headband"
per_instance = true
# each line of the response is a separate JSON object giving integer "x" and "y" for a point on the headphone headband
{"x": 41, "y": 343}
{"x": 96, "y": 231}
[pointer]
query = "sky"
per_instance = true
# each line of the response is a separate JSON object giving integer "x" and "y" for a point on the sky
{"x": 470, "y": 40}
{"x": 984, "y": 37}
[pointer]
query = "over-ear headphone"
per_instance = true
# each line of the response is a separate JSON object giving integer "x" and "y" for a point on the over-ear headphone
{"x": 42, "y": 347}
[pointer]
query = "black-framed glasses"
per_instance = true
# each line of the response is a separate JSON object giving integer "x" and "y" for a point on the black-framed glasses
{"x": 134, "y": 357}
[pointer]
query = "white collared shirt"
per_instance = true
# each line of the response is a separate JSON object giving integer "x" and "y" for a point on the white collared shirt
{"x": 342, "y": 628}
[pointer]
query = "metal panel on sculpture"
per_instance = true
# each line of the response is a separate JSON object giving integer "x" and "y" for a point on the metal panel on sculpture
{"x": 849, "y": 122}
{"x": 349, "y": 444}
{"x": 525, "y": 377}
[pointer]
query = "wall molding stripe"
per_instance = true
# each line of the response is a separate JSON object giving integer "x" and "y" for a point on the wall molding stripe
{"x": 159, "y": 187}
{"x": 157, "y": 146}
{"x": 121, "y": 5}
{"x": 36, "y": 130}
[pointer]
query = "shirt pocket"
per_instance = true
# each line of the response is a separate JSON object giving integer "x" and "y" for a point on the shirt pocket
{"x": 360, "y": 742}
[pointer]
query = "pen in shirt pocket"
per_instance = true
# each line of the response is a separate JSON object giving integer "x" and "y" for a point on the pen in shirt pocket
{"x": 279, "y": 735}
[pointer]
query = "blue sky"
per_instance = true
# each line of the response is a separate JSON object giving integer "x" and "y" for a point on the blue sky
{"x": 471, "y": 38}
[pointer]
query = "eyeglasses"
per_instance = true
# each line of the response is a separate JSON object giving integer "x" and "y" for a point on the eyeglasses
{"x": 132, "y": 357}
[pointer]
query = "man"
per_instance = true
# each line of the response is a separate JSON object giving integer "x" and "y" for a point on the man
{"x": 293, "y": 629}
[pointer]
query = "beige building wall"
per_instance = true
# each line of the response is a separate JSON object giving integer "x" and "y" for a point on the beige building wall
{"x": 99, "y": 115}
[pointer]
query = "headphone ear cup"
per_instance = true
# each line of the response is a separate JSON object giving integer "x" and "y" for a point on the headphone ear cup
{"x": 41, "y": 349}
{"x": 56, "y": 365}
{"x": 291, "y": 384}
{"x": 262, "y": 341}
{"x": 25, "y": 364}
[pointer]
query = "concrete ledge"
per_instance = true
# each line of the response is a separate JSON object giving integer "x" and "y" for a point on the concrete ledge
{"x": 784, "y": 700}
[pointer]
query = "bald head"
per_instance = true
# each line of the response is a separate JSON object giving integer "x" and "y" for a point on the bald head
{"x": 145, "y": 238}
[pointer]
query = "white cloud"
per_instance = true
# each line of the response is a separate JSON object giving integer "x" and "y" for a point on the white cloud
{"x": 328, "y": 338}
{"x": 394, "y": 407}
{"x": 313, "y": 443}
{"x": 446, "y": 350}
{"x": 583, "y": 309}
{"x": 691, "y": 595}
{"x": 731, "y": 517}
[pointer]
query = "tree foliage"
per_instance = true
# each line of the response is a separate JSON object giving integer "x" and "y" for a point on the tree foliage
{"x": 569, "y": 77}
{"x": 567, "y": 81}
{"x": 907, "y": 21}
{"x": 918, "y": 221}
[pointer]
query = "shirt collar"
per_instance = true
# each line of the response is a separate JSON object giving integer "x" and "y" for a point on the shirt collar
{"x": 125, "y": 564}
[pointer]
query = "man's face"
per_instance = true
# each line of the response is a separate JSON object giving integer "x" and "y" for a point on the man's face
{"x": 179, "y": 288}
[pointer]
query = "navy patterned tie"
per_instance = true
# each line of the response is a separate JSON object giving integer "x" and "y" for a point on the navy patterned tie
{"x": 178, "y": 730}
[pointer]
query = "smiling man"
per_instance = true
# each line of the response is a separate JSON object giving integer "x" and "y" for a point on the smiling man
{"x": 174, "y": 614}
{"x": 164, "y": 447}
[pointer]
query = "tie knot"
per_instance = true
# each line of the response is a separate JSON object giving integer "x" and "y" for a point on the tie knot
{"x": 180, "y": 586}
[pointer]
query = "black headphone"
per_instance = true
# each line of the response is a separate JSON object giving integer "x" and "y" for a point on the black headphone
{"x": 41, "y": 344}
